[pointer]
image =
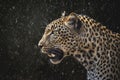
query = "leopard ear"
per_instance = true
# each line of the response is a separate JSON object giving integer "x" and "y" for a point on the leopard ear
{"x": 63, "y": 14}
{"x": 73, "y": 22}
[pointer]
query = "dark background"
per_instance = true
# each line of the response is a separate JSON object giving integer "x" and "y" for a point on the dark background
{"x": 22, "y": 23}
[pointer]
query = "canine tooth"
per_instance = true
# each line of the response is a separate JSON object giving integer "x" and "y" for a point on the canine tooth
{"x": 53, "y": 55}
{"x": 49, "y": 55}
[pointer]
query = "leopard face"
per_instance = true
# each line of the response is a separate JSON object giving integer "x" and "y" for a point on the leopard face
{"x": 59, "y": 38}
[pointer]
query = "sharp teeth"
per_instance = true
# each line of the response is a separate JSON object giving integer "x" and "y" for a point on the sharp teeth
{"x": 51, "y": 55}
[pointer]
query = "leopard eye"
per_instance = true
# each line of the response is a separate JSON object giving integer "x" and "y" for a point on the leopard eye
{"x": 48, "y": 30}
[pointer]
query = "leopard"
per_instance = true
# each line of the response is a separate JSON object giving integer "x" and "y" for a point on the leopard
{"x": 96, "y": 47}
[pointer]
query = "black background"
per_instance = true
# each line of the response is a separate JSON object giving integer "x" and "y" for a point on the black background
{"x": 22, "y": 24}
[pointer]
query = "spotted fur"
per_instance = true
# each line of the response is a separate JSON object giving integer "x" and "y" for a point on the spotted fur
{"x": 92, "y": 44}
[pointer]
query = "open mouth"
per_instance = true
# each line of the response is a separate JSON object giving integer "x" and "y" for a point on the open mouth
{"x": 55, "y": 55}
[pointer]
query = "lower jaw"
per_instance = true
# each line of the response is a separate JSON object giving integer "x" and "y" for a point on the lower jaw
{"x": 55, "y": 61}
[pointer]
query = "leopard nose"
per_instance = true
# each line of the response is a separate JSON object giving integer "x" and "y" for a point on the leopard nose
{"x": 40, "y": 45}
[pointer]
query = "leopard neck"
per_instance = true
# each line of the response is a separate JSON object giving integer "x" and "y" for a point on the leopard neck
{"x": 87, "y": 54}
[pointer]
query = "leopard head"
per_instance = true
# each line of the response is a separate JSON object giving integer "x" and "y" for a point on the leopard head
{"x": 60, "y": 38}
